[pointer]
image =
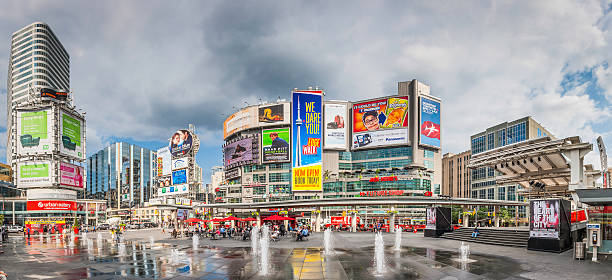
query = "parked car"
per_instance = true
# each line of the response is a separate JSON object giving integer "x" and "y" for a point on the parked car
{"x": 15, "y": 229}
{"x": 103, "y": 226}
{"x": 134, "y": 226}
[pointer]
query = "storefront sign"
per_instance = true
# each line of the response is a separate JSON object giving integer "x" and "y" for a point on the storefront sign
{"x": 383, "y": 179}
{"x": 51, "y": 205}
{"x": 382, "y": 193}
{"x": 339, "y": 220}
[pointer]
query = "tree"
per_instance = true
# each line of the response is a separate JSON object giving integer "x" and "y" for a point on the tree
{"x": 1, "y": 220}
{"x": 504, "y": 214}
{"x": 456, "y": 213}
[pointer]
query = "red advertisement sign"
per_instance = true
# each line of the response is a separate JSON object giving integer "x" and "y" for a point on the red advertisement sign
{"x": 51, "y": 205}
{"x": 339, "y": 220}
{"x": 71, "y": 175}
{"x": 382, "y": 193}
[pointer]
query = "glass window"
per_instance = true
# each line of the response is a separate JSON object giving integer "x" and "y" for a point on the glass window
{"x": 428, "y": 164}
{"x": 474, "y": 194}
{"x": 428, "y": 154}
{"x": 478, "y": 145}
{"x": 490, "y": 141}
{"x": 482, "y": 194}
{"x": 491, "y": 193}
{"x": 512, "y": 193}
{"x": 501, "y": 193}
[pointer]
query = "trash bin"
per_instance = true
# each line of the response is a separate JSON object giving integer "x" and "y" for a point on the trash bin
{"x": 579, "y": 250}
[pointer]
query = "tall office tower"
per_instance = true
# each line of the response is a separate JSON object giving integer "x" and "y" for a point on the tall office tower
{"x": 38, "y": 61}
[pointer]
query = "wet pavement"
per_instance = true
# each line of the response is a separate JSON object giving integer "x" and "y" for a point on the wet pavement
{"x": 56, "y": 258}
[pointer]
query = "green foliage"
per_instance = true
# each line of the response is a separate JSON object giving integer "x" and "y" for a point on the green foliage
{"x": 1, "y": 219}
{"x": 76, "y": 223}
{"x": 456, "y": 212}
{"x": 504, "y": 214}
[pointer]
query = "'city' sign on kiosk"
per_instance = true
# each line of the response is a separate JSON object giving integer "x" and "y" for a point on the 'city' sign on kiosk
{"x": 438, "y": 221}
{"x": 549, "y": 225}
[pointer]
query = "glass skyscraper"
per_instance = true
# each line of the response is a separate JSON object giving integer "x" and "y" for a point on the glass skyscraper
{"x": 122, "y": 174}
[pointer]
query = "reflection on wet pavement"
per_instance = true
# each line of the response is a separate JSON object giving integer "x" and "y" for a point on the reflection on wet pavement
{"x": 101, "y": 260}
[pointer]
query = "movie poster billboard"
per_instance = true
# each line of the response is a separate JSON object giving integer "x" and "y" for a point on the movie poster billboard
{"x": 241, "y": 120}
{"x": 34, "y": 174}
{"x": 238, "y": 153}
{"x": 275, "y": 144}
{"x": 273, "y": 114}
{"x": 164, "y": 160}
{"x": 381, "y": 114}
{"x": 306, "y": 140}
{"x": 181, "y": 143}
{"x": 179, "y": 177}
{"x": 336, "y": 130}
{"x": 35, "y": 132}
{"x": 71, "y": 175}
{"x": 72, "y": 130}
{"x": 370, "y": 139}
{"x": 544, "y": 222}
{"x": 431, "y": 219}
{"x": 430, "y": 122}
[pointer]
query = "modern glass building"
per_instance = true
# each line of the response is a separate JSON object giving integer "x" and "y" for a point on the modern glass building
{"x": 122, "y": 174}
{"x": 38, "y": 60}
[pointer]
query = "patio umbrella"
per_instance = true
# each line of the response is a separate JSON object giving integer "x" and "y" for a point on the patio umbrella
{"x": 217, "y": 220}
{"x": 231, "y": 218}
{"x": 193, "y": 220}
{"x": 249, "y": 219}
{"x": 275, "y": 218}
{"x": 288, "y": 218}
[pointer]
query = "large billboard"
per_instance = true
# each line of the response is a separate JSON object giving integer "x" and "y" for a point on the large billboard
{"x": 71, "y": 175}
{"x": 381, "y": 114}
{"x": 372, "y": 139}
{"x": 545, "y": 215}
{"x": 180, "y": 163}
{"x": 51, "y": 205}
{"x": 164, "y": 160}
{"x": 275, "y": 145}
{"x": 239, "y": 152}
{"x": 179, "y": 177}
{"x": 431, "y": 218}
{"x": 273, "y": 114}
{"x": 35, "y": 132}
{"x": 430, "y": 122}
{"x": 34, "y": 174}
{"x": 306, "y": 140}
{"x": 336, "y": 130}
{"x": 72, "y": 130}
{"x": 181, "y": 143}
{"x": 241, "y": 120}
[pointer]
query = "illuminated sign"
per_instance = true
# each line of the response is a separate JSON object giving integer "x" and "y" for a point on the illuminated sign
{"x": 383, "y": 179}
{"x": 382, "y": 193}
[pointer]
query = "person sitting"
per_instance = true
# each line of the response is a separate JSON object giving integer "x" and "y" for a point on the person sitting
{"x": 275, "y": 235}
{"x": 246, "y": 234}
{"x": 476, "y": 232}
{"x": 222, "y": 230}
{"x": 303, "y": 233}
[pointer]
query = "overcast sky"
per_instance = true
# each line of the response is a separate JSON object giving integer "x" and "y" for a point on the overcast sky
{"x": 142, "y": 69}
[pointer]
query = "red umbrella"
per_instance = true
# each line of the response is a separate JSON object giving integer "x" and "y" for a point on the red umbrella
{"x": 217, "y": 220}
{"x": 231, "y": 218}
{"x": 288, "y": 218}
{"x": 275, "y": 218}
{"x": 193, "y": 220}
{"x": 249, "y": 219}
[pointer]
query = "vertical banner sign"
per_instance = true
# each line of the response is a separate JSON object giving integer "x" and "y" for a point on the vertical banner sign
{"x": 335, "y": 129}
{"x": 544, "y": 221}
{"x": 275, "y": 144}
{"x": 306, "y": 140}
{"x": 431, "y": 218}
{"x": 430, "y": 122}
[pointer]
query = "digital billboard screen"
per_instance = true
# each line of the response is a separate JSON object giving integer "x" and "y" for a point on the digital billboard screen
{"x": 381, "y": 114}
{"x": 430, "y": 122}
{"x": 544, "y": 222}
{"x": 241, "y": 120}
{"x": 34, "y": 174}
{"x": 431, "y": 218}
{"x": 272, "y": 114}
{"x": 72, "y": 130}
{"x": 164, "y": 160}
{"x": 370, "y": 139}
{"x": 35, "y": 132}
{"x": 181, "y": 143}
{"x": 179, "y": 177}
{"x": 71, "y": 175}
{"x": 238, "y": 153}
{"x": 275, "y": 144}
{"x": 336, "y": 130}
{"x": 306, "y": 140}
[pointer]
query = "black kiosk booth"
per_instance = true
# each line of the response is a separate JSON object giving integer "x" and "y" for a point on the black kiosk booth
{"x": 438, "y": 221}
{"x": 549, "y": 225}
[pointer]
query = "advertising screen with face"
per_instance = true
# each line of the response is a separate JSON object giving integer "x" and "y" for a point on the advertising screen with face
{"x": 381, "y": 114}
{"x": 239, "y": 152}
{"x": 180, "y": 143}
{"x": 71, "y": 175}
{"x": 275, "y": 143}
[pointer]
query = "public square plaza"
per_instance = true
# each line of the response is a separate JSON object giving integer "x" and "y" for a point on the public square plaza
{"x": 149, "y": 253}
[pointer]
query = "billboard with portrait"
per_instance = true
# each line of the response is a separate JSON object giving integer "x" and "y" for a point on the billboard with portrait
{"x": 431, "y": 218}
{"x": 241, "y": 120}
{"x": 306, "y": 139}
{"x": 71, "y": 175}
{"x": 372, "y": 139}
{"x": 181, "y": 143}
{"x": 34, "y": 174}
{"x": 275, "y": 144}
{"x": 72, "y": 129}
{"x": 164, "y": 160}
{"x": 35, "y": 132}
{"x": 429, "y": 124}
{"x": 179, "y": 177}
{"x": 388, "y": 113}
{"x": 273, "y": 114}
{"x": 544, "y": 222}
{"x": 335, "y": 128}
{"x": 238, "y": 153}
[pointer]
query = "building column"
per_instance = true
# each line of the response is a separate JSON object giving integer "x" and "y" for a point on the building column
{"x": 516, "y": 216}
{"x": 392, "y": 220}
{"x": 258, "y": 218}
{"x": 318, "y": 220}
{"x": 496, "y": 217}
{"x": 354, "y": 220}
{"x": 466, "y": 217}
{"x": 233, "y": 214}
{"x": 286, "y": 222}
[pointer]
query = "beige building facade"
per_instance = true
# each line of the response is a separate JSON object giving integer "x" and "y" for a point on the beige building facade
{"x": 456, "y": 175}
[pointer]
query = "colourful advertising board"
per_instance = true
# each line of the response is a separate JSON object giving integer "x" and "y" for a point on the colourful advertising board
{"x": 430, "y": 122}
{"x": 72, "y": 129}
{"x": 381, "y": 114}
{"x": 306, "y": 140}
{"x": 272, "y": 114}
{"x": 34, "y": 174}
{"x": 35, "y": 132}
{"x": 179, "y": 177}
{"x": 379, "y": 138}
{"x": 181, "y": 143}
{"x": 172, "y": 190}
{"x": 164, "y": 160}
{"x": 275, "y": 144}
{"x": 241, "y": 120}
{"x": 336, "y": 130}
{"x": 544, "y": 222}
{"x": 71, "y": 175}
{"x": 238, "y": 153}
{"x": 51, "y": 205}
{"x": 431, "y": 218}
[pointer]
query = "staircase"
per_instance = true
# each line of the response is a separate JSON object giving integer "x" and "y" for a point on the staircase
{"x": 502, "y": 237}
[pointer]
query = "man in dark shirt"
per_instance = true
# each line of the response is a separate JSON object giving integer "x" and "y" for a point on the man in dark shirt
{"x": 278, "y": 142}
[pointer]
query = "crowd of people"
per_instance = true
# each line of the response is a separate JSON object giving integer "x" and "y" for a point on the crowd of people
{"x": 242, "y": 232}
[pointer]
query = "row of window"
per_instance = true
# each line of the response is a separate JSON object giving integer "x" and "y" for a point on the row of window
{"x": 375, "y": 154}
{"x": 501, "y": 193}
{"x": 506, "y": 136}
{"x": 373, "y": 165}
{"x": 358, "y": 186}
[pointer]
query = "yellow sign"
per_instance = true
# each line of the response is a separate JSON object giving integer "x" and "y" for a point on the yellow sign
{"x": 307, "y": 178}
{"x": 343, "y": 213}
{"x": 44, "y": 222}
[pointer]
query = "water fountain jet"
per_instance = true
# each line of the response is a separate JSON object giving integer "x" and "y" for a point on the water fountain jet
{"x": 379, "y": 254}
{"x": 264, "y": 251}
{"x": 398, "y": 239}
{"x": 327, "y": 242}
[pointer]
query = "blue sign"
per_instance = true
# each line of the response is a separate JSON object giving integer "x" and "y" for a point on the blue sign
{"x": 430, "y": 122}
{"x": 306, "y": 121}
{"x": 179, "y": 177}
